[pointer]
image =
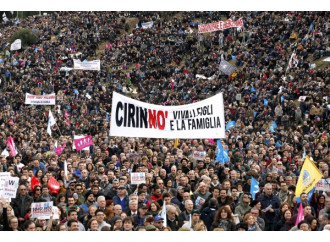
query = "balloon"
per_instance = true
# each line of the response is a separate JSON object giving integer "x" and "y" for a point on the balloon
{"x": 34, "y": 182}
{"x": 53, "y": 185}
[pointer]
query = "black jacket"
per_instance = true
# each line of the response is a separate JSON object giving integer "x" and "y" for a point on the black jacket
{"x": 17, "y": 203}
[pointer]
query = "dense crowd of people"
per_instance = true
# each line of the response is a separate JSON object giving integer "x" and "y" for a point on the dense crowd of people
{"x": 159, "y": 65}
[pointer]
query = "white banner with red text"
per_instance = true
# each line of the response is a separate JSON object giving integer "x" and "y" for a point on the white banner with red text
{"x": 221, "y": 25}
{"x": 48, "y": 99}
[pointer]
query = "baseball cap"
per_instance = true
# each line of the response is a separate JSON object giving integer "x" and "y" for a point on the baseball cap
{"x": 195, "y": 211}
{"x": 151, "y": 227}
{"x": 121, "y": 187}
{"x": 143, "y": 206}
{"x": 157, "y": 218}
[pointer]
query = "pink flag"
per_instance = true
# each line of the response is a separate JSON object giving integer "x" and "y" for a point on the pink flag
{"x": 106, "y": 46}
{"x": 211, "y": 141}
{"x": 172, "y": 85}
{"x": 59, "y": 150}
{"x": 110, "y": 45}
{"x": 68, "y": 122}
{"x": 11, "y": 146}
{"x": 300, "y": 216}
{"x": 66, "y": 115}
{"x": 83, "y": 142}
{"x": 11, "y": 122}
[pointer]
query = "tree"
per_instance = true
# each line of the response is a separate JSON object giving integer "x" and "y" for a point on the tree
{"x": 26, "y": 35}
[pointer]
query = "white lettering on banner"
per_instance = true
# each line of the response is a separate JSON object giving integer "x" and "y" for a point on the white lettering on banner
{"x": 132, "y": 118}
{"x": 138, "y": 178}
{"x": 48, "y": 99}
{"x": 94, "y": 65}
{"x": 42, "y": 210}
{"x": 211, "y": 27}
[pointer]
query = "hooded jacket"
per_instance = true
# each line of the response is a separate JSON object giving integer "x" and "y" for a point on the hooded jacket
{"x": 242, "y": 208}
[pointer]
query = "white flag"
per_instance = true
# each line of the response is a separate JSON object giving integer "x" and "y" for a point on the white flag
{"x": 51, "y": 122}
{"x": 16, "y": 45}
{"x": 293, "y": 60}
{"x": 163, "y": 214}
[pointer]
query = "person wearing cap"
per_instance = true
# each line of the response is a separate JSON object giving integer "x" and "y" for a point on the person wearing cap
{"x": 121, "y": 198}
{"x": 158, "y": 222}
{"x": 89, "y": 200}
{"x": 139, "y": 218}
{"x": 195, "y": 219}
{"x": 110, "y": 192}
{"x": 151, "y": 227}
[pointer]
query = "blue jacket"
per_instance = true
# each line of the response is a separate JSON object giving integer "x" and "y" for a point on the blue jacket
{"x": 266, "y": 201}
{"x": 123, "y": 203}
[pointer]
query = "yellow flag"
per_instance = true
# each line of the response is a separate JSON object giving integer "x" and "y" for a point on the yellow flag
{"x": 309, "y": 176}
{"x": 176, "y": 143}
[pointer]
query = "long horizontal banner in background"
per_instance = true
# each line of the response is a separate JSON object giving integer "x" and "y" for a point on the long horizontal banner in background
{"x": 48, "y": 99}
{"x": 132, "y": 118}
{"x": 94, "y": 65}
{"x": 211, "y": 27}
{"x": 147, "y": 25}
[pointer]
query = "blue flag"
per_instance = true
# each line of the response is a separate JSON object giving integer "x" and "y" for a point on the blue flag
{"x": 233, "y": 57}
{"x": 278, "y": 144}
{"x": 107, "y": 117}
{"x": 311, "y": 27}
{"x": 253, "y": 89}
{"x": 282, "y": 99}
{"x": 309, "y": 195}
{"x": 254, "y": 188}
{"x": 273, "y": 126}
{"x": 225, "y": 155}
{"x": 230, "y": 125}
{"x": 75, "y": 91}
{"x": 219, "y": 154}
{"x": 255, "y": 113}
{"x": 265, "y": 102}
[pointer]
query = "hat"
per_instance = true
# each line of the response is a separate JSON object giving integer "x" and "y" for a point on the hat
{"x": 143, "y": 206}
{"x": 151, "y": 227}
{"x": 121, "y": 187}
{"x": 157, "y": 218}
{"x": 195, "y": 211}
{"x": 61, "y": 204}
{"x": 115, "y": 180}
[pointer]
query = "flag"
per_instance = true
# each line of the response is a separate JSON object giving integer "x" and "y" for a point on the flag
{"x": 83, "y": 142}
{"x": 211, "y": 141}
{"x": 190, "y": 223}
{"x": 254, "y": 187}
{"x": 230, "y": 125}
{"x": 66, "y": 115}
{"x": 59, "y": 150}
{"x": 265, "y": 102}
{"x": 311, "y": 27}
{"x": 273, "y": 126}
{"x": 163, "y": 214}
{"x": 255, "y": 113}
{"x": 5, "y": 153}
{"x": 11, "y": 146}
{"x": 220, "y": 156}
{"x": 11, "y": 122}
{"x": 176, "y": 143}
{"x": 309, "y": 195}
{"x": 51, "y": 122}
{"x": 293, "y": 60}
{"x": 16, "y": 45}
{"x": 107, "y": 117}
{"x": 282, "y": 99}
{"x": 304, "y": 154}
{"x": 34, "y": 182}
{"x": 309, "y": 176}
{"x": 253, "y": 89}
{"x": 300, "y": 216}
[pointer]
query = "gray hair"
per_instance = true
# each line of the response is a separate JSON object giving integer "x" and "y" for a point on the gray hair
{"x": 98, "y": 199}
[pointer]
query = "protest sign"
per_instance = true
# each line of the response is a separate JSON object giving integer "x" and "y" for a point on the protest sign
{"x": 10, "y": 186}
{"x": 16, "y": 45}
{"x": 302, "y": 98}
{"x": 56, "y": 214}
{"x": 48, "y": 99}
{"x": 226, "y": 67}
{"x": 211, "y": 27}
{"x": 87, "y": 66}
{"x": 3, "y": 177}
{"x": 132, "y": 118}
{"x": 42, "y": 210}
{"x": 83, "y": 142}
{"x": 323, "y": 185}
{"x": 78, "y": 137}
{"x": 199, "y": 155}
{"x": 138, "y": 177}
